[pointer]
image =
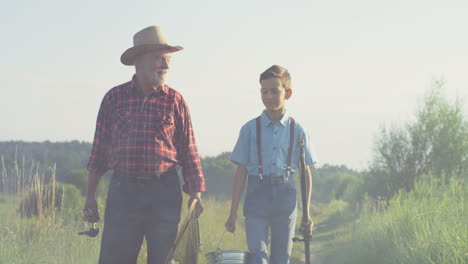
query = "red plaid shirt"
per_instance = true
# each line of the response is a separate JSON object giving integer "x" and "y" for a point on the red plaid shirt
{"x": 140, "y": 135}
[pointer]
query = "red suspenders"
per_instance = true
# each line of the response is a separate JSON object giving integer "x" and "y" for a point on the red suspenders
{"x": 259, "y": 146}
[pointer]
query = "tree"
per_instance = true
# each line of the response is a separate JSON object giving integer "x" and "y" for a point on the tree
{"x": 435, "y": 143}
{"x": 440, "y": 136}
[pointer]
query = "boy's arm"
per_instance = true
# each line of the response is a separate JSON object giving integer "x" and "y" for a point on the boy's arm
{"x": 309, "y": 187}
{"x": 310, "y": 224}
{"x": 237, "y": 187}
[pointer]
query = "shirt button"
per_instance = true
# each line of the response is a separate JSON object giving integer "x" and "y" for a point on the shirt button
{"x": 274, "y": 163}
{"x": 274, "y": 148}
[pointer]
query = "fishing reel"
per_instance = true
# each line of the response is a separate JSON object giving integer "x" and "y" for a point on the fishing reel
{"x": 89, "y": 216}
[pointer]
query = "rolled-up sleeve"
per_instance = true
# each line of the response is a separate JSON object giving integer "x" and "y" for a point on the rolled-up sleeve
{"x": 98, "y": 161}
{"x": 187, "y": 153}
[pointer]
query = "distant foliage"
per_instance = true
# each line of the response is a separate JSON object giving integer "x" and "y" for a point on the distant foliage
{"x": 331, "y": 182}
{"x": 218, "y": 171}
{"x": 68, "y": 156}
{"x": 78, "y": 178}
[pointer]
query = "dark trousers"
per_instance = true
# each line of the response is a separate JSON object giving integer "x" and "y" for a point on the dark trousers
{"x": 140, "y": 209}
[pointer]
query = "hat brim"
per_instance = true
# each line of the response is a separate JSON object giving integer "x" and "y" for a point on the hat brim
{"x": 128, "y": 57}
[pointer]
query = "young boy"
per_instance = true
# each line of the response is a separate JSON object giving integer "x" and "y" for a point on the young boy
{"x": 270, "y": 202}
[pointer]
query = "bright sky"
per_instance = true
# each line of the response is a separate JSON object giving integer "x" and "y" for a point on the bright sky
{"x": 355, "y": 65}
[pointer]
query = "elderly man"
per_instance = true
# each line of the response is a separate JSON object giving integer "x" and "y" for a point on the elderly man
{"x": 144, "y": 134}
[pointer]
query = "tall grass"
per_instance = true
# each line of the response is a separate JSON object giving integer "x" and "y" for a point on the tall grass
{"x": 426, "y": 225}
{"x": 51, "y": 235}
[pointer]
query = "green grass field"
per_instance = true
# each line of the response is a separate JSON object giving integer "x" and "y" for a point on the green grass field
{"x": 427, "y": 225}
{"x": 53, "y": 240}
{"x": 52, "y": 236}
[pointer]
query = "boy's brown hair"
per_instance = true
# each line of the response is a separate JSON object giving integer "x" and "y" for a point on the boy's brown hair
{"x": 279, "y": 72}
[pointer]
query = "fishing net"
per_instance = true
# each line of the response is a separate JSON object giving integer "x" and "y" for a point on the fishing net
{"x": 187, "y": 247}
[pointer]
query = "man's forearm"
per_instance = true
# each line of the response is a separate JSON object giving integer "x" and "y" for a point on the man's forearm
{"x": 93, "y": 182}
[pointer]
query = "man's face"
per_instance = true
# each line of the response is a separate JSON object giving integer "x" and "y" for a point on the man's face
{"x": 274, "y": 95}
{"x": 153, "y": 66}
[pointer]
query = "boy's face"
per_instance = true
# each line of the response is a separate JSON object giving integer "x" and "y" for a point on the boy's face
{"x": 274, "y": 95}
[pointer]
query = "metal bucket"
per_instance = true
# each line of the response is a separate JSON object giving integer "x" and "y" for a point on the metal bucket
{"x": 228, "y": 256}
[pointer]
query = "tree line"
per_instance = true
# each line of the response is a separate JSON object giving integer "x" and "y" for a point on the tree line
{"x": 71, "y": 159}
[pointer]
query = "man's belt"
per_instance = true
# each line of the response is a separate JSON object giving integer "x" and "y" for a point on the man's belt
{"x": 146, "y": 178}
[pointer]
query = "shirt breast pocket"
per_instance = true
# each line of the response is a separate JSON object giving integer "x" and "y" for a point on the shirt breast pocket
{"x": 166, "y": 126}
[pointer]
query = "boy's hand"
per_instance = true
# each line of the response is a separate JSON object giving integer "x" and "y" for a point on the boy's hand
{"x": 307, "y": 227}
{"x": 231, "y": 223}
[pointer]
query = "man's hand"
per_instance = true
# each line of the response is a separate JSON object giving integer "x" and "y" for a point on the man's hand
{"x": 198, "y": 206}
{"x": 307, "y": 227}
{"x": 231, "y": 223}
{"x": 90, "y": 211}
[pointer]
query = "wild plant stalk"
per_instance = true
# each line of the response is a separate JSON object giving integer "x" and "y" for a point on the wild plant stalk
{"x": 34, "y": 233}
{"x": 4, "y": 177}
{"x": 23, "y": 182}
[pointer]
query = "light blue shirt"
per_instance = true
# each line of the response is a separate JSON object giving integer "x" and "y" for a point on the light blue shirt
{"x": 275, "y": 146}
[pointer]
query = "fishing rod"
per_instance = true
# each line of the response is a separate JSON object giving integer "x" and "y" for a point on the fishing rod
{"x": 305, "y": 230}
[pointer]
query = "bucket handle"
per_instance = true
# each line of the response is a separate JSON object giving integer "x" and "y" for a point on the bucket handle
{"x": 221, "y": 240}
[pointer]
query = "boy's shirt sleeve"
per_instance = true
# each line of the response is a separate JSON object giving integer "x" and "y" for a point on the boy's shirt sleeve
{"x": 310, "y": 158}
{"x": 240, "y": 154}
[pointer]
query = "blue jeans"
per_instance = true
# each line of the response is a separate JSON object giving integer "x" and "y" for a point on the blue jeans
{"x": 270, "y": 208}
{"x": 137, "y": 210}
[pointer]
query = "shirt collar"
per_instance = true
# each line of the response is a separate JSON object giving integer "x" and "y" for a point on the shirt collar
{"x": 135, "y": 89}
{"x": 266, "y": 121}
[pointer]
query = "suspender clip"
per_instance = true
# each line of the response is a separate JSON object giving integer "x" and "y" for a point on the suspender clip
{"x": 287, "y": 174}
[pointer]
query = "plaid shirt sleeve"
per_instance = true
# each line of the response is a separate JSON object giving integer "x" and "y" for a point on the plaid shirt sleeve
{"x": 188, "y": 153}
{"x": 101, "y": 146}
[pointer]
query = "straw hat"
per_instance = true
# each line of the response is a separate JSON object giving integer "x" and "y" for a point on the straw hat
{"x": 148, "y": 39}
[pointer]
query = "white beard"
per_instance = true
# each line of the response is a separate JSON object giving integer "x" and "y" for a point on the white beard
{"x": 158, "y": 80}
